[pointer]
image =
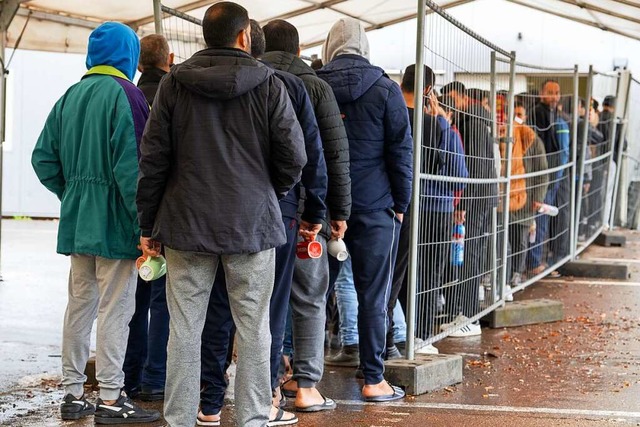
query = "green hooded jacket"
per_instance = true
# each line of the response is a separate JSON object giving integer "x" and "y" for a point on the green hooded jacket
{"x": 87, "y": 153}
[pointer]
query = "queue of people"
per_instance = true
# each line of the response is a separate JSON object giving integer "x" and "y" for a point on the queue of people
{"x": 236, "y": 165}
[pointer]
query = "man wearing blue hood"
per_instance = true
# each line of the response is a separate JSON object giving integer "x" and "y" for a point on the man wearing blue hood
{"x": 87, "y": 156}
{"x": 380, "y": 149}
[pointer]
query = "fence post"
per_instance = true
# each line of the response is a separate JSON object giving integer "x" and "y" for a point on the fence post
{"x": 418, "y": 118}
{"x": 494, "y": 212}
{"x": 622, "y": 99}
{"x": 507, "y": 186}
{"x": 583, "y": 150}
{"x": 574, "y": 149}
{"x": 157, "y": 16}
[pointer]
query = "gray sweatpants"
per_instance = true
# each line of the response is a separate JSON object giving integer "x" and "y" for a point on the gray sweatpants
{"x": 104, "y": 288}
{"x": 249, "y": 278}
{"x": 308, "y": 302}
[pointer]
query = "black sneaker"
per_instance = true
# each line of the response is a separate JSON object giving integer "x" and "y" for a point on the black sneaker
{"x": 349, "y": 356}
{"x": 74, "y": 409}
{"x": 124, "y": 411}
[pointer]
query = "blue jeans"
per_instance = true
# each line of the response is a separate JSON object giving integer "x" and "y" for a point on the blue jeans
{"x": 542, "y": 228}
{"x": 347, "y": 300}
{"x": 145, "y": 363}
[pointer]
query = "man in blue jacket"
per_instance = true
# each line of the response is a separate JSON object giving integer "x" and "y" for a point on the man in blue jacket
{"x": 442, "y": 155}
{"x": 218, "y": 326}
{"x": 380, "y": 150}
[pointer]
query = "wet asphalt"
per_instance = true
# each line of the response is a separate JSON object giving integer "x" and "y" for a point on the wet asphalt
{"x": 582, "y": 371}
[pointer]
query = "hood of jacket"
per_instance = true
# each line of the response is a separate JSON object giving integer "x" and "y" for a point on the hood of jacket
{"x": 347, "y": 36}
{"x": 288, "y": 62}
{"x": 221, "y": 73}
{"x": 350, "y": 76}
{"x": 116, "y": 45}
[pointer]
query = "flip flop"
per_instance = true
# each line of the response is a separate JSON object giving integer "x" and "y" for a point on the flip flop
{"x": 201, "y": 422}
{"x": 327, "y": 405}
{"x": 398, "y": 393}
{"x": 555, "y": 274}
{"x": 280, "y": 421}
{"x": 288, "y": 393}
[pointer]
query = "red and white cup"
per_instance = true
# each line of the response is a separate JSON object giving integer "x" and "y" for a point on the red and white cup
{"x": 307, "y": 249}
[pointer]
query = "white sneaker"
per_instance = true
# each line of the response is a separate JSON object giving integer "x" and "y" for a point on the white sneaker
{"x": 470, "y": 330}
{"x": 428, "y": 349}
{"x": 459, "y": 320}
{"x": 508, "y": 294}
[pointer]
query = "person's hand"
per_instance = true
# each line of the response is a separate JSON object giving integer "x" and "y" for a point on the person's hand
{"x": 587, "y": 187}
{"x": 459, "y": 217}
{"x": 338, "y": 228}
{"x": 150, "y": 247}
{"x": 309, "y": 231}
{"x": 400, "y": 216}
{"x": 537, "y": 206}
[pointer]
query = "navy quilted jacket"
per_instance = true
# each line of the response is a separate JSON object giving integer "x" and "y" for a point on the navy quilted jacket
{"x": 380, "y": 144}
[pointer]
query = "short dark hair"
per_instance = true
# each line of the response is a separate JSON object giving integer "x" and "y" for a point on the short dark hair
{"x": 257, "y": 39}
{"x": 409, "y": 76}
{"x": 316, "y": 64}
{"x": 454, "y": 86}
{"x": 567, "y": 103}
{"x": 478, "y": 94}
{"x": 281, "y": 36}
{"x": 222, "y": 22}
{"x": 154, "y": 51}
{"x": 447, "y": 103}
{"x": 609, "y": 101}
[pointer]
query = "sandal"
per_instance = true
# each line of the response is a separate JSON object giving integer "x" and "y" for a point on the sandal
{"x": 555, "y": 274}
{"x": 327, "y": 405}
{"x": 280, "y": 420}
{"x": 398, "y": 393}
{"x": 537, "y": 270}
{"x": 202, "y": 422}
{"x": 288, "y": 393}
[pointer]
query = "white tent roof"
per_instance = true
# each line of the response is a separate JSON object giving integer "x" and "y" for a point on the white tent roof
{"x": 64, "y": 25}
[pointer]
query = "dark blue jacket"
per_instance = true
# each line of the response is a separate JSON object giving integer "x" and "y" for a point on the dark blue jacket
{"x": 439, "y": 195}
{"x": 380, "y": 145}
{"x": 314, "y": 174}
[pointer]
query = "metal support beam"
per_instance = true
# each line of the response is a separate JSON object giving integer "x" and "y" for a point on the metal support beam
{"x": 8, "y": 9}
{"x": 609, "y": 12}
{"x": 157, "y": 16}
{"x": 573, "y": 231}
{"x": 622, "y": 115}
{"x": 583, "y": 153}
{"x": 418, "y": 122}
{"x": 59, "y": 18}
{"x": 3, "y": 109}
{"x": 388, "y": 23}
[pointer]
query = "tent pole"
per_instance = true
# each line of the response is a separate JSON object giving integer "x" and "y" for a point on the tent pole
{"x": 157, "y": 16}
{"x": 3, "y": 116}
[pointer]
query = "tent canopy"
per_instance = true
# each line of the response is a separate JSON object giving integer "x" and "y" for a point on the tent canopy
{"x": 64, "y": 25}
